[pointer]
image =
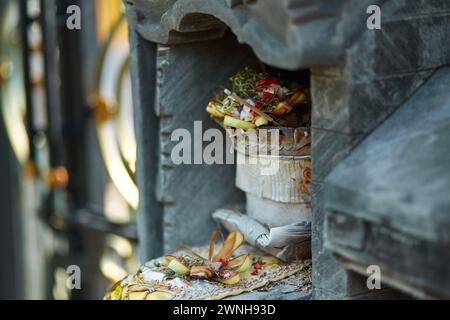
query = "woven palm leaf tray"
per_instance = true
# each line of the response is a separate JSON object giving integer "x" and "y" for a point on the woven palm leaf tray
{"x": 154, "y": 281}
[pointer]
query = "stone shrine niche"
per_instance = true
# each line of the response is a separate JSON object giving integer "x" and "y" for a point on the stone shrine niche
{"x": 183, "y": 51}
{"x": 188, "y": 76}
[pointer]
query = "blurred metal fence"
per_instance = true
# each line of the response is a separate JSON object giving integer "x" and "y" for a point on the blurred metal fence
{"x": 67, "y": 148}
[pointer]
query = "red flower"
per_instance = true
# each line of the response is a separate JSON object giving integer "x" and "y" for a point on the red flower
{"x": 257, "y": 266}
{"x": 258, "y": 105}
{"x": 267, "y": 95}
{"x": 224, "y": 262}
{"x": 265, "y": 83}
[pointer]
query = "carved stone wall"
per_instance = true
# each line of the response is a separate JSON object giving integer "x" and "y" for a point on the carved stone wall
{"x": 382, "y": 70}
{"x": 359, "y": 77}
{"x": 289, "y": 34}
{"x": 188, "y": 75}
{"x": 387, "y": 203}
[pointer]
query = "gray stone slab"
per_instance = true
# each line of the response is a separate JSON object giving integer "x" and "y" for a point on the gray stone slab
{"x": 300, "y": 33}
{"x": 189, "y": 75}
{"x": 330, "y": 99}
{"x": 403, "y": 167}
{"x": 355, "y": 107}
{"x": 406, "y": 43}
{"x": 357, "y": 289}
{"x": 329, "y": 148}
{"x": 372, "y": 102}
{"x": 143, "y": 75}
{"x": 296, "y": 33}
{"x": 329, "y": 277}
{"x": 374, "y": 73}
{"x": 413, "y": 265}
{"x": 402, "y": 8}
{"x": 387, "y": 203}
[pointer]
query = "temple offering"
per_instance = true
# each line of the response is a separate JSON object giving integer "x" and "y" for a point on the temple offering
{"x": 257, "y": 99}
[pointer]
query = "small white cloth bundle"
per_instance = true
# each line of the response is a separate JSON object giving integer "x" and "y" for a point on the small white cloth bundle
{"x": 287, "y": 243}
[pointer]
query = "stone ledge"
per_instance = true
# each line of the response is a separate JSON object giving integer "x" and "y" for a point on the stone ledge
{"x": 412, "y": 265}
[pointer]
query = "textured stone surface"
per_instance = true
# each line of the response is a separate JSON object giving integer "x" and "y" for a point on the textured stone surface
{"x": 329, "y": 278}
{"x": 329, "y": 99}
{"x": 421, "y": 37}
{"x": 404, "y": 163}
{"x": 189, "y": 75}
{"x": 143, "y": 71}
{"x": 357, "y": 289}
{"x": 295, "y": 33}
{"x": 413, "y": 265}
{"x": 359, "y": 77}
{"x": 393, "y": 191}
{"x": 344, "y": 105}
{"x": 329, "y": 148}
{"x": 300, "y": 33}
{"x": 383, "y": 69}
